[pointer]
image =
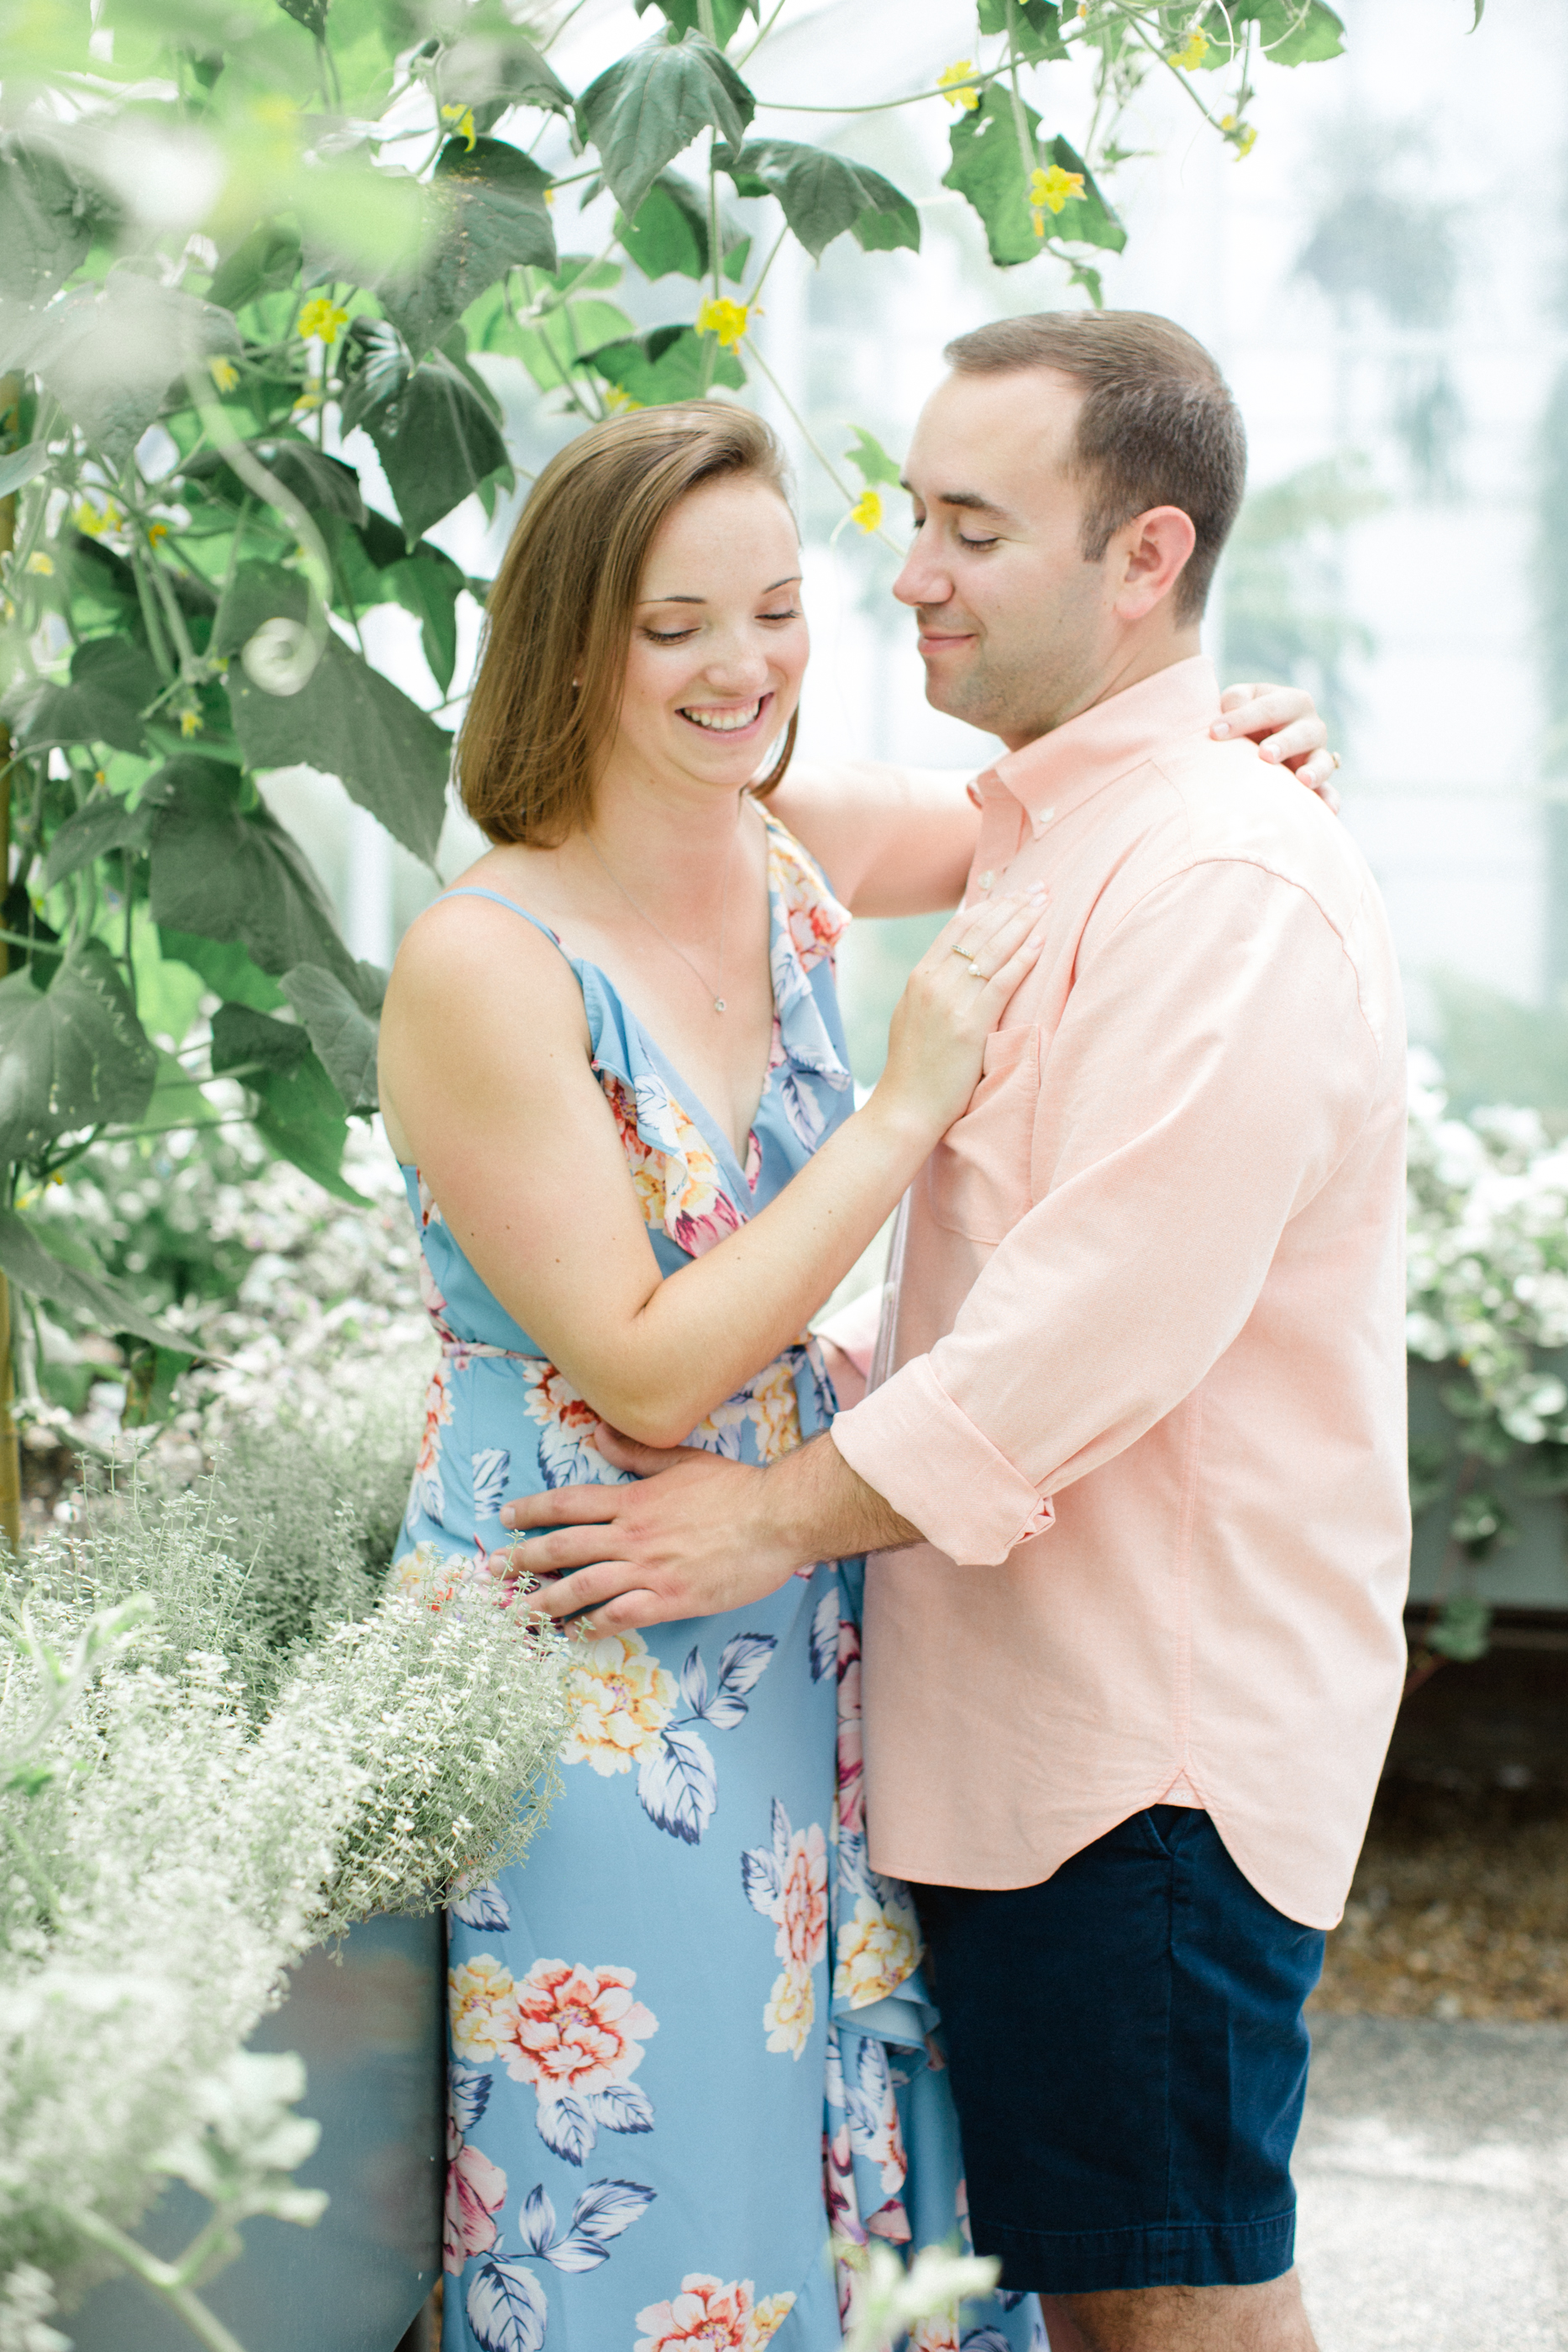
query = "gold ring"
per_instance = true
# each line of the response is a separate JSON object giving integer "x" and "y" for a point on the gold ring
{"x": 976, "y": 973}
{"x": 962, "y": 952}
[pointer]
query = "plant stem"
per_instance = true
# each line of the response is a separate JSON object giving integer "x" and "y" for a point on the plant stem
{"x": 714, "y": 243}
{"x": 762, "y": 32}
{"x": 1027, "y": 155}
{"x": 804, "y": 430}
{"x": 10, "y": 1449}
{"x": 762, "y": 274}
{"x": 881, "y": 106}
{"x": 163, "y": 2278}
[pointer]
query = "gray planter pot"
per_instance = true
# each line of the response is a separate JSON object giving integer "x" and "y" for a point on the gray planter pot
{"x": 1531, "y": 1574}
{"x": 369, "y": 2025}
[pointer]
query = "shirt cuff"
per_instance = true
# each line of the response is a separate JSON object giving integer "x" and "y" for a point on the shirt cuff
{"x": 911, "y": 1444}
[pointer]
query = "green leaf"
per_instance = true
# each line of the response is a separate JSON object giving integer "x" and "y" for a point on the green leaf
{"x": 226, "y": 967}
{"x": 685, "y": 16}
{"x": 342, "y": 1032}
{"x": 297, "y": 1110}
{"x": 1037, "y": 27}
{"x": 262, "y": 263}
{"x": 988, "y": 169}
{"x": 346, "y": 721}
{"x": 1481, "y": 1522}
{"x": 436, "y": 438}
{"x": 549, "y": 345}
{"x": 669, "y": 234}
{"x": 107, "y": 823}
{"x": 664, "y": 365}
{"x": 322, "y": 485}
{"x": 428, "y": 585}
{"x": 871, "y": 460}
{"x": 311, "y": 14}
{"x": 825, "y": 195}
{"x": 72, "y": 1056}
{"x": 492, "y": 65}
{"x": 491, "y": 216}
{"x": 1290, "y": 32}
{"x": 49, "y": 219}
{"x": 653, "y": 103}
{"x": 22, "y": 467}
{"x": 225, "y": 872}
{"x": 97, "y": 1297}
{"x": 112, "y": 681}
{"x": 1463, "y": 1630}
{"x": 109, "y": 352}
{"x": 1480, "y": 12}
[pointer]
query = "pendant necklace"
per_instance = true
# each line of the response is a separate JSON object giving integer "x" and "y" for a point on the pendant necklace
{"x": 719, "y": 1002}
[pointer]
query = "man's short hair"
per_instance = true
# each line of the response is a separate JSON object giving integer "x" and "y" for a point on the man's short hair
{"x": 1157, "y": 428}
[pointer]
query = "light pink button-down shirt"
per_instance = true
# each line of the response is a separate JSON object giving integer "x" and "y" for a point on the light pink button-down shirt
{"x": 1145, "y": 1363}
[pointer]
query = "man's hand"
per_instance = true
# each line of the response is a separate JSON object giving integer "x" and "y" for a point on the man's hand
{"x": 696, "y": 1535}
{"x": 1284, "y": 723}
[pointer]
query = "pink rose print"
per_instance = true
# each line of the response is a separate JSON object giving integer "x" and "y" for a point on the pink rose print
{"x": 576, "y": 2034}
{"x": 802, "y": 1937}
{"x": 476, "y": 2190}
{"x": 577, "y": 2028}
{"x": 852, "y": 1785}
{"x": 708, "y": 2315}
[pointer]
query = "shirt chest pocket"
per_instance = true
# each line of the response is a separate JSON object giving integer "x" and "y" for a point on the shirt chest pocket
{"x": 977, "y": 1180}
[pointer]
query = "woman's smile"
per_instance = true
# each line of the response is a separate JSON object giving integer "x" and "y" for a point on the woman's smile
{"x": 721, "y": 719}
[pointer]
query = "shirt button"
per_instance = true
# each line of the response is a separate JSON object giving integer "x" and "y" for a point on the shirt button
{"x": 986, "y": 881}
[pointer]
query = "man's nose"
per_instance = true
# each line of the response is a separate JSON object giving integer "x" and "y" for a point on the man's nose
{"x": 923, "y": 580}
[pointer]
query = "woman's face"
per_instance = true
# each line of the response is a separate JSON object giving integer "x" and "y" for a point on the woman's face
{"x": 718, "y": 639}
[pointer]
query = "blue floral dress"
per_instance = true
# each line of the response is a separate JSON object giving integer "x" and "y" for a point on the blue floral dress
{"x": 690, "y": 2042}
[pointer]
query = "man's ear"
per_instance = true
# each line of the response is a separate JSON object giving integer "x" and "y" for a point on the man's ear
{"x": 1153, "y": 550}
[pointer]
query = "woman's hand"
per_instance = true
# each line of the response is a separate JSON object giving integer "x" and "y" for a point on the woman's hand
{"x": 1283, "y": 721}
{"x": 951, "y": 1003}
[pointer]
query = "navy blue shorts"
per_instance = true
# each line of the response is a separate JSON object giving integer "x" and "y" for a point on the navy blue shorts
{"x": 1129, "y": 2063}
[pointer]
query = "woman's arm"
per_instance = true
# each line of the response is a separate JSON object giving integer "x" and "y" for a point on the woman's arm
{"x": 900, "y": 841}
{"x": 487, "y": 1070}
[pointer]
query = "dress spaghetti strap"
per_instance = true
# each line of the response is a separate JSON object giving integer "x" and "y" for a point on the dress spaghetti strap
{"x": 472, "y": 890}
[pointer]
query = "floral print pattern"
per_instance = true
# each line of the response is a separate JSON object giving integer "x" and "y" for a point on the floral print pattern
{"x": 623, "y": 1699}
{"x": 623, "y": 2043}
{"x": 709, "y": 2317}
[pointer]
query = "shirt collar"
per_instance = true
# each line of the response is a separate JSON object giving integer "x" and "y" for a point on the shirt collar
{"x": 1065, "y": 768}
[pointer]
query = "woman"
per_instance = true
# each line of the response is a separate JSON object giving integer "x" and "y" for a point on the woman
{"x": 691, "y": 2040}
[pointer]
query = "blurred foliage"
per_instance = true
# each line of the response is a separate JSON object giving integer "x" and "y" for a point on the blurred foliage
{"x": 1285, "y": 602}
{"x": 233, "y": 234}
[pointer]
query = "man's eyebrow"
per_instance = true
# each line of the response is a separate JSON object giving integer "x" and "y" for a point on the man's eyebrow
{"x": 970, "y": 500}
{"x": 789, "y": 581}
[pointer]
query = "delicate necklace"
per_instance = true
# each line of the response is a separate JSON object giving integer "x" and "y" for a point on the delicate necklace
{"x": 719, "y": 1002}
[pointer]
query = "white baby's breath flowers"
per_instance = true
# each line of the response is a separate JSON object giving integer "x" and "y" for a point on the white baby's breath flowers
{"x": 1487, "y": 1281}
{"x": 257, "y": 1754}
{"x": 887, "y": 2299}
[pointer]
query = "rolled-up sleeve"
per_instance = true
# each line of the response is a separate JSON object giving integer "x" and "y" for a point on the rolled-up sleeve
{"x": 1212, "y": 1066}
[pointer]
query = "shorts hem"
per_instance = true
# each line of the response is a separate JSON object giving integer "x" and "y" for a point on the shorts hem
{"x": 1095, "y": 2262}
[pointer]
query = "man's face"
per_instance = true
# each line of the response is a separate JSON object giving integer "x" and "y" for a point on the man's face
{"x": 1017, "y": 633}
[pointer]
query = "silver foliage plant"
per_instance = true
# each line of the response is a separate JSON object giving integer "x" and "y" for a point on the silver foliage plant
{"x": 213, "y": 1754}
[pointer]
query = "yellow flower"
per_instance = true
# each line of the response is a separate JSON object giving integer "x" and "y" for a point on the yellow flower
{"x": 155, "y": 531}
{"x": 1051, "y": 190}
{"x": 462, "y": 121}
{"x": 618, "y": 402}
{"x": 93, "y": 521}
{"x": 622, "y": 1698}
{"x": 1192, "y": 53}
{"x": 41, "y": 563}
{"x": 321, "y": 316}
{"x": 189, "y": 721}
{"x": 1246, "y": 141}
{"x": 790, "y": 2011}
{"x": 768, "y": 2316}
{"x": 951, "y": 77}
{"x": 98, "y": 776}
{"x": 727, "y": 320}
{"x": 876, "y": 1952}
{"x": 223, "y": 373}
{"x": 550, "y": 198}
{"x": 867, "y": 510}
{"x": 483, "y": 2001}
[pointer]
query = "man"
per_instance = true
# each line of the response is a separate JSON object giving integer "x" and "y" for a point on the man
{"x": 1134, "y": 1471}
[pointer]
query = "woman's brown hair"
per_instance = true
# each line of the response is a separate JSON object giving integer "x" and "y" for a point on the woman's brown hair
{"x": 560, "y": 610}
